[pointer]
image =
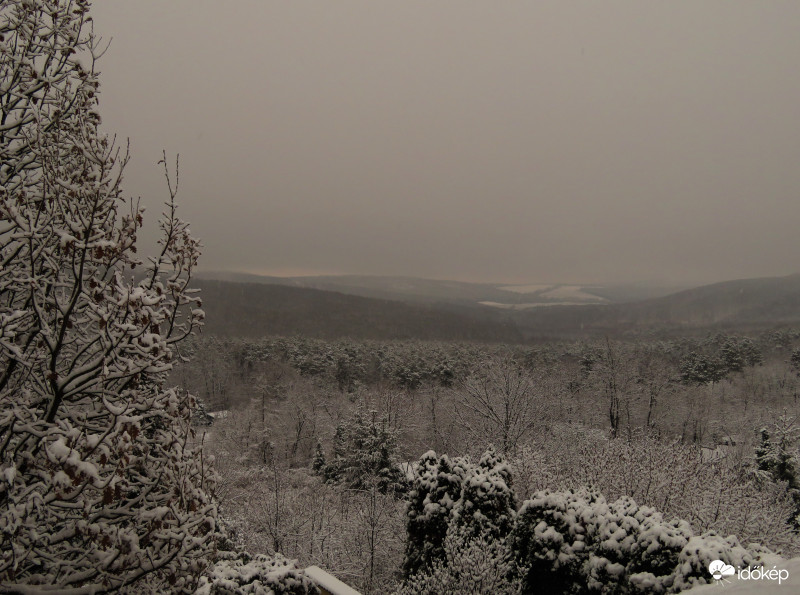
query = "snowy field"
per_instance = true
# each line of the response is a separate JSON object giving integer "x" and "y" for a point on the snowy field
{"x": 526, "y": 288}
{"x": 571, "y": 292}
{"x": 530, "y": 305}
{"x": 565, "y": 294}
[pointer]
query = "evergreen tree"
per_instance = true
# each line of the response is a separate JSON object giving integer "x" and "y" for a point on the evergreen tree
{"x": 737, "y": 353}
{"x": 475, "y": 500}
{"x": 487, "y": 505}
{"x": 318, "y": 463}
{"x": 777, "y": 458}
{"x": 435, "y": 489}
{"x": 471, "y": 564}
{"x": 365, "y": 454}
{"x": 697, "y": 368}
{"x": 200, "y": 416}
{"x": 776, "y": 453}
{"x": 794, "y": 360}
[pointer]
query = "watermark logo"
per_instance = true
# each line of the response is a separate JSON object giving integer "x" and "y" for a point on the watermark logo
{"x": 719, "y": 570}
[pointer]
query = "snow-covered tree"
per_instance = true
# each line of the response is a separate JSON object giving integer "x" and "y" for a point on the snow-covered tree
{"x": 499, "y": 405}
{"x": 737, "y": 353}
{"x": 435, "y": 489}
{"x": 101, "y": 487}
{"x": 200, "y": 416}
{"x": 777, "y": 455}
{"x": 318, "y": 463}
{"x": 471, "y": 564}
{"x": 697, "y": 368}
{"x": 777, "y": 459}
{"x": 487, "y": 505}
{"x": 365, "y": 454}
{"x": 474, "y": 500}
{"x": 794, "y": 360}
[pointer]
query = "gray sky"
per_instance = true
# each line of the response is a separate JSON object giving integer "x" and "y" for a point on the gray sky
{"x": 528, "y": 141}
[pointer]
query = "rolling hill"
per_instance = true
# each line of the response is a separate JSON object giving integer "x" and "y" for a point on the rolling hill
{"x": 254, "y": 310}
{"x": 432, "y": 310}
{"x": 730, "y": 304}
{"x": 436, "y": 291}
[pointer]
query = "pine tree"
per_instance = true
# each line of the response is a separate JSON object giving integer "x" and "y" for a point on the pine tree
{"x": 487, "y": 505}
{"x": 474, "y": 500}
{"x": 435, "y": 489}
{"x": 200, "y": 416}
{"x": 697, "y": 368}
{"x": 365, "y": 454}
{"x": 737, "y": 353}
{"x": 777, "y": 458}
{"x": 794, "y": 360}
{"x": 776, "y": 453}
{"x": 471, "y": 564}
{"x": 318, "y": 463}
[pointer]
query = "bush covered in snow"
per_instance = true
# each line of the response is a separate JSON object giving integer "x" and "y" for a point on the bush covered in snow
{"x": 261, "y": 575}
{"x": 486, "y": 505}
{"x": 475, "y": 499}
{"x": 577, "y": 542}
{"x": 463, "y": 529}
{"x": 471, "y": 564}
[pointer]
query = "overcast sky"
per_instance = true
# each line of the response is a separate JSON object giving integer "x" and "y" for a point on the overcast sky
{"x": 551, "y": 142}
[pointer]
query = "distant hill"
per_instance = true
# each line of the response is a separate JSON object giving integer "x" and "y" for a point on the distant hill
{"x": 445, "y": 310}
{"x": 731, "y": 304}
{"x": 498, "y": 295}
{"x": 746, "y": 301}
{"x": 255, "y": 310}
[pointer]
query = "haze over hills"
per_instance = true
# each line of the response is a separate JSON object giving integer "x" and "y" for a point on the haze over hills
{"x": 448, "y": 310}
{"x": 258, "y": 309}
{"x": 499, "y": 295}
{"x": 742, "y": 303}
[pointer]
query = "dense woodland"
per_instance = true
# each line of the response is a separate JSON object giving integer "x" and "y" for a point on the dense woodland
{"x": 319, "y": 442}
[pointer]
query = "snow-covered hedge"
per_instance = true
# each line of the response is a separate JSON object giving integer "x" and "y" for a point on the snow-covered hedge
{"x": 261, "y": 575}
{"x": 454, "y": 492}
{"x": 576, "y": 541}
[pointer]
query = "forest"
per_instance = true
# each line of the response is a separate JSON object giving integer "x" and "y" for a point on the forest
{"x": 330, "y": 452}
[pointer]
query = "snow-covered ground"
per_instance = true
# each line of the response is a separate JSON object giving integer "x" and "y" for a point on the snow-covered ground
{"x": 565, "y": 294}
{"x": 511, "y": 306}
{"x": 571, "y": 293}
{"x": 763, "y": 586}
{"x": 530, "y": 305}
{"x": 525, "y": 288}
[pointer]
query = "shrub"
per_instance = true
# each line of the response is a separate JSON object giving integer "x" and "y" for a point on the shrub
{"x": 471, "y": 564}
{"x": 474, "y": 499}
{"x": 435, "y": 489}
{"x": 576, "y": 542}
{"x": 261, "y": 575}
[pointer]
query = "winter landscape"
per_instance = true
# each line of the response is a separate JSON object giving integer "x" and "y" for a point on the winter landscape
{"x": 481, "y": 306}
